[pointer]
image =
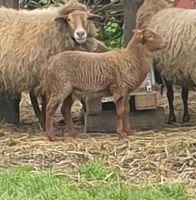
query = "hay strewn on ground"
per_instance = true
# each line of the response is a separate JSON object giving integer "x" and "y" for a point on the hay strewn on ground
{"x": 147, "y": 157}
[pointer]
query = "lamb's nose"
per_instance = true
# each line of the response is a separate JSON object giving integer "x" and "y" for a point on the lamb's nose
{"x": 80, "y": 34}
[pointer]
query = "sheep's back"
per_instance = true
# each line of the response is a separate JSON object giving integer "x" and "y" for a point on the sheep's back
{"x": 176, "y": 62}
{"x": 27, "y": 40}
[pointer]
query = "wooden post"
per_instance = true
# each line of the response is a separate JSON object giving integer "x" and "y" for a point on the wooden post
{"x": 10, "y": 3}
{"x": 130, "y": 7}
{"x": 9, "y": 103}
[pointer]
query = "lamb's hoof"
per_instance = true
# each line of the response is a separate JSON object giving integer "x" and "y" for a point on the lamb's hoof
{"x": 51, "y": 137}
{"x": 172, "y": 119}
{"x": 186, "y": 118}
{"x": 129, "y": 133}
{"x": 72, "y": 133}
{"x": 122, "y": 135}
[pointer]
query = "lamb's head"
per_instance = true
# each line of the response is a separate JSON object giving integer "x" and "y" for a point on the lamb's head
{"x": 78, "y": 21}
{"x": 149, "y": 38}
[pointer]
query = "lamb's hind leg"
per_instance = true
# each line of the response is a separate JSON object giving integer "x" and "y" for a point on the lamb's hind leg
{"x": 66, "y": 112}
{"x": 184, "y": 95}
{"x": 51, "y": 108}
{"x": 121, "y": 111}
{"x": 127, "y": 126}
{"x": 170, "y": 97}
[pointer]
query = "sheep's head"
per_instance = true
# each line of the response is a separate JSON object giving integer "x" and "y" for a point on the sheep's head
{"x": 78, "y": 22}
{"x": 150, "y": 39}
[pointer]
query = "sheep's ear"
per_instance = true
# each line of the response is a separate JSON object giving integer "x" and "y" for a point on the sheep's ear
{"x": 62, "y": 19}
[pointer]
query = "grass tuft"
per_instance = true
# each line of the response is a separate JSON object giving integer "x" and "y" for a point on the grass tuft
{"x": 96, "y": 170}
{"x": 23, "y": 184}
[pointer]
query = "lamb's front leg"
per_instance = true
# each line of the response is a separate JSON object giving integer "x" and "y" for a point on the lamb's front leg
{"x": 66, "y": 112}
{"x": 51, "y": 108}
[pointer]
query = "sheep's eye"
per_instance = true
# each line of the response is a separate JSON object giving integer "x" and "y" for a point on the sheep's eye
{"x": 68, "y": 19}
{"x": 150, "y": 37}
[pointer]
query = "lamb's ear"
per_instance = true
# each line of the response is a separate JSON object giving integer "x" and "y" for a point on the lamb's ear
{"x": 137, "y": 30}
{"x": 139, "y": 34}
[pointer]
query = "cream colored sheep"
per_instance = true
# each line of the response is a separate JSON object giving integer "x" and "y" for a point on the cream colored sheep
{"x": 30, "y": 38}
{"x": 176, "y": 62}
{"x": 83, "y": 74}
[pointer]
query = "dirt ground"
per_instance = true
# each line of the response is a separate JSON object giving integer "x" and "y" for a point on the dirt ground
{"x": 167, "y": 155}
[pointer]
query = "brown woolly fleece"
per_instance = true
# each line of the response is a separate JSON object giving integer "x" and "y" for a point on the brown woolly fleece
{"x": 85, "y": 75}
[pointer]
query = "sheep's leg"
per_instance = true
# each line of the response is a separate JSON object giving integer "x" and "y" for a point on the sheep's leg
{"x": 170, "y": 97}
{"x": 120, "y": 109}
{"x": 66, "y": 112}
{"x": 127, "y": 127}
{"x": 51, "y": 108}
{"x": 43, "y": 113}
{"x": 185, "y": 95}
{"x": 83, "y": 105}
{"x": 36, "y": 108}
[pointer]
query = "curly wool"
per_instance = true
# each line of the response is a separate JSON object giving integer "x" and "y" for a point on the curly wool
{"x": 176, "y": 62}
{"x": 30, "y": 38}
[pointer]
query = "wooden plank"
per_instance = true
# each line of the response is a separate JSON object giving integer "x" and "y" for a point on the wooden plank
{"x": 9, "y": 104}
{"x": 146, "y": 101}
{"x": 10, "y": 3}
{"x": 93, "y": 105}
{"x": 130, "y": 7}
{"x": 105, "y": 121}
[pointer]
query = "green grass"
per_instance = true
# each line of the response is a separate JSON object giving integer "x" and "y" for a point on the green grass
{"x": 97, "y": 182}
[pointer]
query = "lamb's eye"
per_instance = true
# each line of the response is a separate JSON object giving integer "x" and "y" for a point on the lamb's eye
{"x": 68, "y": 19}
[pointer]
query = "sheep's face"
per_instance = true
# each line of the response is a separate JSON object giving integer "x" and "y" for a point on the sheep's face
{"x": 150, "y": 39}
{"x": 80, "y": 25}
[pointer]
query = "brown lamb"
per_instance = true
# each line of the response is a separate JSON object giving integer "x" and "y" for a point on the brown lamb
{"x": 86, "y": 75}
